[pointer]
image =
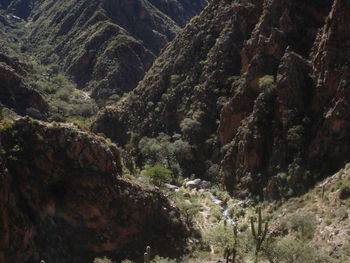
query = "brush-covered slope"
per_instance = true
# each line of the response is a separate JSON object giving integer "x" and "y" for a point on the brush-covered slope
{"x": 15, "y": 93}
{"x": 323, "y": 212}
{"x": 267, "y": 79}
{"x": 20, "y": 8}
{"x": 180, "y": 92}
{"x": 105, "y": 45}
{"x": 62, "y": 199}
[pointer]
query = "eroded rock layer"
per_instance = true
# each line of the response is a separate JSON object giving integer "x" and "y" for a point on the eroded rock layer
{"x": 62, "y": 199}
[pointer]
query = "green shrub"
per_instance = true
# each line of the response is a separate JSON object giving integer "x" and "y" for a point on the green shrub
{"x": 222, "y": 236}
{"x": 190, "y": 127}
{"x": 236, "y": 82}
{"x": 173, "y": 153}
{"x": 189, "y": 210}
{"x": 85, "y": 110}
{"x": 158, "y": 175}
{"x": 303, "y": 224}
{"x": 290, "y": 249}
{"x": 61, "y": 80}
{"x": 295, "y": 135}
{"x": 266, "y": 81}
{"x": 102, "y": 260}
{"x": 159, "y": 259}
{"x": 63, "y": 94}
{"x": 344, "y": 192}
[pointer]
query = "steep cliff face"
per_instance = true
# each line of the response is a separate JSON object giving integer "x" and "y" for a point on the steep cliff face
{"x": 189, "y": 77}
{"x": 107, "y": 46}
{"x": 62, "y": 199}
{"x": 294, "y": 133}
{"x": 20, "y": 8}
{"x": 15, "y": 93}
{"x": 183, "y": 91}
{"x": 268, "y": 78}
{"x": 266, "y": 124}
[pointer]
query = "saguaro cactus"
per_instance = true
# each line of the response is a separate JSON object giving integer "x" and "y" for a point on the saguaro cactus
{"x": 147, "y": 255}
{"x": 230, "y": 254}
{"x": 258, "y": 234}
{"x": 235, "y": 244}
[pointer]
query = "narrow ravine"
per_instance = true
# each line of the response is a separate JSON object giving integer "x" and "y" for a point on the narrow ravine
{"x": 225, "y": 213}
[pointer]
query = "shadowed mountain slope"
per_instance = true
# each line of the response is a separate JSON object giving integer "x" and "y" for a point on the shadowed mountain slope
{"x": 62, "y": 199}
{"x": 107, "y": 46}
{"x": 267, "y": 79}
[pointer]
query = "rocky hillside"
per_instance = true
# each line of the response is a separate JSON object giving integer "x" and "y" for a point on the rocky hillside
{"x": 105, "y": 45}
{"x": 62, "y": 199}
{"x": 326, "y": 207}
{"x": 15, "y": 93}
{"x": 267, "y": 80}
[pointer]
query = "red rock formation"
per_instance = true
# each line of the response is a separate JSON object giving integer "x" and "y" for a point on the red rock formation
{"x": 305, "y": 118}
{"x": 276, "y": 70}
{"x": 15, "y": 94}
{"x": 62, "y": 200}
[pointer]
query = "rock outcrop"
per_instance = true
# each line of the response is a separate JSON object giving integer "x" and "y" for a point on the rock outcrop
{"x": 268, "y": 78}
{"x": 17, "y": 95}
{"x": 20, "y": 8}
{"x": 62, "y": 199}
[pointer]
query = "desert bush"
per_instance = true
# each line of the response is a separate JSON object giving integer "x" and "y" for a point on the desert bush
{"x": 158, "y": 175}
{"x": 344, "y": 192}
{"x": 189, "y": 210}
{"x": 103, "y": 260}
{"x": 290, "y": 249}
{"x": 221, "y": 194}
{"x": 266, "y": 81}
{"x": 304, "y": 225}
{"x": 158, "y": 259}
{"x": 63, "y": 94}
{"x": 221, "y": 236}
{"x": 295, "y": 135}
{"x": 190, "y": 128}
{"x": 172, "y": 153}
{"x": 85, "y": 110}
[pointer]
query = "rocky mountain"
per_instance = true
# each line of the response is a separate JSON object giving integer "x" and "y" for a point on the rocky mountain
{"x": 20, "y": 8}
{"x": 266, "y": 79}
{"x": 62, "y": 199}
{"x": 15, "y": 94}
{"x": 106, "y": 46}
{"x": 251, "y": 95}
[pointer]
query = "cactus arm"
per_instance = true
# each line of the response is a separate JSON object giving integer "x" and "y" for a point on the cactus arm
{"x": 253, "y": 227}
{"x": 147, "y": 255}
{"x": 259, "y": 222}
{"x": 265, "y": 231}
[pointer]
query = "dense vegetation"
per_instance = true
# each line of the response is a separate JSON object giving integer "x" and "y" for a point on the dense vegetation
{"x": 235, "y": 140}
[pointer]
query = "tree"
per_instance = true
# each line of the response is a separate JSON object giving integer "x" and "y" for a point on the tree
{"x": 158, "y": 175}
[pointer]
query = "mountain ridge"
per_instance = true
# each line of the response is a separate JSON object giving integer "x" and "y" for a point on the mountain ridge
{"x": 105, "y": 46}
{"x": 271, "y": 80}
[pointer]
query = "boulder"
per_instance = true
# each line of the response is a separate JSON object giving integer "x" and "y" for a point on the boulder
{"x": 197, "y": 184}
